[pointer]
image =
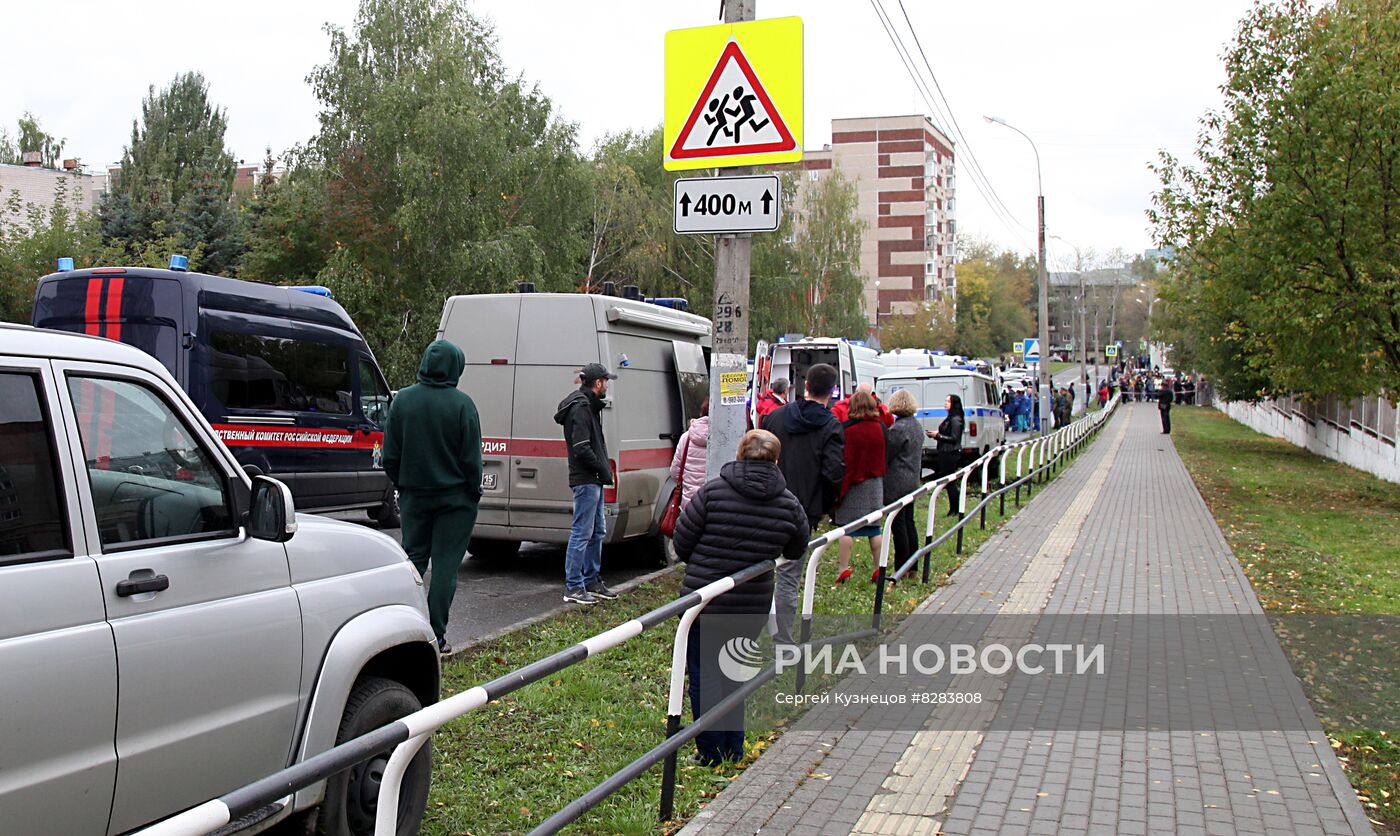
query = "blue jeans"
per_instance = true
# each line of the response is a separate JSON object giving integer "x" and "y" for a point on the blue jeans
{"x": 583, "y": 561}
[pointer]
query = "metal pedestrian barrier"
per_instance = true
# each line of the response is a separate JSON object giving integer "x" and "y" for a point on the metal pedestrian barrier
{"x": 1035, "y": 459}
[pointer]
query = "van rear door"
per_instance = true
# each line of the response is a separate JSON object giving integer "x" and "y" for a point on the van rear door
{"x": 486, "y": 329}
{"x": 144, "y": 312}
{"x": 558, "y": 336}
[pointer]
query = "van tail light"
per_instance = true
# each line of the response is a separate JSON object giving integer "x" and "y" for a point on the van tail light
{"x": 610, "y": 491}
{"x": 972, "y": 428}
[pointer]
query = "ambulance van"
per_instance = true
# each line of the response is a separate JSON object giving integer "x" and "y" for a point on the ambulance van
{"x": 524, "y": 352}
{"x": 855, "y": 363}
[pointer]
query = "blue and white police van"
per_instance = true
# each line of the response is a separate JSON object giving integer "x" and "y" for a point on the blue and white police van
{"x": 984, "y": 427}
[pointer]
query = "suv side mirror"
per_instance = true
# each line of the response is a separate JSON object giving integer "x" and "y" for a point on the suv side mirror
{"x": 271, "y": 516}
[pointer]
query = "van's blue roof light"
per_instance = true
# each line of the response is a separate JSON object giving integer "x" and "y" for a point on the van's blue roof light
{"x": 675, "y": 303}
{"x": 179, "y": 262}
{"x": 939, "y": 353}
{"x": 65, "y": 265}
{"x": 782, "y": 339}
{"x": 860, "y": 343}
{"x": 319, "y": 290}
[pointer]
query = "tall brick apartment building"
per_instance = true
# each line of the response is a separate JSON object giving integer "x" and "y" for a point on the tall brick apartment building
{"x": 903, "y": 170}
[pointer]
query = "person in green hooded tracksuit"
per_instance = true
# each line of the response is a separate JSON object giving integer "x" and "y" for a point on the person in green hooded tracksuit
{"x": 432, "y": 453}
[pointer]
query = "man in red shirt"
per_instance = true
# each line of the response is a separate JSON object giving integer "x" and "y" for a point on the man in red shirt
{"x": 842, "y": 408}
{"x": 772, "y": 399}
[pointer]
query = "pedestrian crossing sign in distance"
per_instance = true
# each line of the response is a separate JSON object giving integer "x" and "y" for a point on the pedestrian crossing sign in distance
{"x": 734, "y": 95}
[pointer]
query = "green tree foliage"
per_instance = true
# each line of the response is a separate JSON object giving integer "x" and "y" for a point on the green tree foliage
{"x": 442, "y": 174}
{"x": 284, "y": 225}
{"x": 34, "y": 237}
{"x": 826, "y": 260}
{"x": 31, "y": 137}
{"x": 933, "y": 325}
{"x": 1288, "y": 225}
{"x": 992, "y": 307}
{"x": 176, "y": 175}
{"x": 630, "y": 238}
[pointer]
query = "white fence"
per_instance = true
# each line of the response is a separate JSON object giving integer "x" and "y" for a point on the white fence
{"x": 1360, "y": 433}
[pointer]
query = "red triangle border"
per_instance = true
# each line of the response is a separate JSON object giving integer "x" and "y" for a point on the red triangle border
{"x": 786, "y": 143}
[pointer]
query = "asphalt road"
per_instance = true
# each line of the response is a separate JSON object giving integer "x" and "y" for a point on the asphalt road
{"x": 495, "y": 595}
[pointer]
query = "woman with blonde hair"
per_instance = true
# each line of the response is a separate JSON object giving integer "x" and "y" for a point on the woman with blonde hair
{"x": 863, "y": 490}
{"x": 904, "y": 458}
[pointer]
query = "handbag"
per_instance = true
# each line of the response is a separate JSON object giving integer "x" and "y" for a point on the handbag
{"x": 672, "y": 514}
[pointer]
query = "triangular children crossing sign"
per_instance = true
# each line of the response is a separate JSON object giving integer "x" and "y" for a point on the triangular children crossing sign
{"x": 734, "y": 94}
{"x": 733, "y": 114}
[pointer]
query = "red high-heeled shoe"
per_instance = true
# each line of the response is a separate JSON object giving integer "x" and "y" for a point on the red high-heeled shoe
{"x": 844, "y": 576}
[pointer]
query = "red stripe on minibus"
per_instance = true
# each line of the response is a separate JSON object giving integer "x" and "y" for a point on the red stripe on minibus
{"x": 92, "y": 311}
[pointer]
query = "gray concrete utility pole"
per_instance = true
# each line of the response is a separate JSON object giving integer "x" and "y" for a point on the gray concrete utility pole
{"x": 730, "y": 354}
{"x": 1083, "y": 339}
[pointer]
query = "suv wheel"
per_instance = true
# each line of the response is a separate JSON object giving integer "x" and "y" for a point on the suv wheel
{"x": 352, "y": 796}
{"x": 387, "y": 514}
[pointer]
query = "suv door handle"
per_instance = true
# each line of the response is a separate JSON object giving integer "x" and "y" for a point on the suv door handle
{"x": 141, "y": 581}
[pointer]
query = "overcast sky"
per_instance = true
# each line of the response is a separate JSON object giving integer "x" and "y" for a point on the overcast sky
{"x": 1099, "y": 85}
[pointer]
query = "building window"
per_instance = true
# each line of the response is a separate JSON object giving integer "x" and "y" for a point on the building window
{"x": 812, "y": 175}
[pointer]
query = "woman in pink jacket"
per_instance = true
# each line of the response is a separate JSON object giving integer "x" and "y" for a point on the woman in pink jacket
{"x": 693, "y": 446}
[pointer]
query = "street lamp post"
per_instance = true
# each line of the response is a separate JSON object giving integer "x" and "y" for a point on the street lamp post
{"x": 878, "y": 344}
{"x": 1044, "y": 306}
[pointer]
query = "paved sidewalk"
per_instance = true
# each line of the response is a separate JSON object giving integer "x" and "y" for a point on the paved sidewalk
{"x": 1122, "y": 531}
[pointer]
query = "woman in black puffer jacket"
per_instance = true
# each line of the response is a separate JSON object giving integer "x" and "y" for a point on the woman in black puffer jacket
{"x": 746, "y": 516}
{"x": 949, "y": 450}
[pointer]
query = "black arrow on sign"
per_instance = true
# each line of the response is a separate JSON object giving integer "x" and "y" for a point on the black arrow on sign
{"x": 767, "y": 200}
{"x": 685, "y": 205}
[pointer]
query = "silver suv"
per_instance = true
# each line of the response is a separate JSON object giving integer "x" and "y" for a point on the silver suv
{"x": 164, "y": 638}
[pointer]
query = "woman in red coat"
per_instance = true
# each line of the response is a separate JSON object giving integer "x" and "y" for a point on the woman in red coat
{"x": 863, "y": 490}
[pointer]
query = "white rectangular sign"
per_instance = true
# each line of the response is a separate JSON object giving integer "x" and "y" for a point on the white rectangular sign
{"x": 720, "y": 205}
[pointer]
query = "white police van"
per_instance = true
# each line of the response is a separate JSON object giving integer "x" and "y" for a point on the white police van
{"x": 903, "y": 359}
{"x": 984, "y": 427}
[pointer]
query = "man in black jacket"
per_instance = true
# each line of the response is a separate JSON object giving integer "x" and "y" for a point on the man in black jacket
{"x": 588, "y": 472}
{"x": 1164, "y": 406}
{"x": 814, "y": 465}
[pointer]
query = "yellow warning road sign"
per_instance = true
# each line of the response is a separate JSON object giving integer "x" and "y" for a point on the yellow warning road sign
{"x": 734, "y": 95}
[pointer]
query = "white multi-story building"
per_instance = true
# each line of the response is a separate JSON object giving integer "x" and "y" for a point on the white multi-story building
{"x": 33, "y": 185}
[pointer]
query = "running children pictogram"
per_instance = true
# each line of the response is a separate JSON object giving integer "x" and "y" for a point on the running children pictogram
{"x": 734, "y": 94}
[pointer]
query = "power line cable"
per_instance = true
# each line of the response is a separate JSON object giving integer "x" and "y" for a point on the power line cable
{"x": 973, "y": 164}
{"x": 998, "y": 208}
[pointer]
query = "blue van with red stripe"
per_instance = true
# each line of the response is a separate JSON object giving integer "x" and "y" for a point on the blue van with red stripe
{"x": 283, "y": 375}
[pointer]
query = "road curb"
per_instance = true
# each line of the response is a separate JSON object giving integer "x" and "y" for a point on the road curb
{"x": 537, "y": 618}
